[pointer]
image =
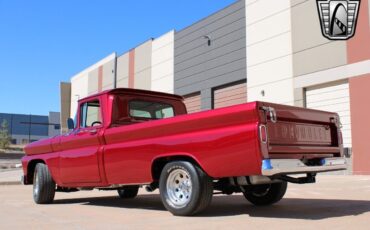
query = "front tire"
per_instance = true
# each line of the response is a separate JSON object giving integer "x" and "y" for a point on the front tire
{"x": 43, "y": 185}
{"x": 128, "y": 193}
{"x": 185, "y": 188}
{"x": 262, "y": 195}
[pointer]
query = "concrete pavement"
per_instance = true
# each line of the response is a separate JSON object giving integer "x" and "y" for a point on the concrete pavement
{"x": 10, "y": 177}
{"x": 334, "y": 202}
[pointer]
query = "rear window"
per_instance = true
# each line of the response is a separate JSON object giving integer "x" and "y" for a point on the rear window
{"x": 150, "y": 110}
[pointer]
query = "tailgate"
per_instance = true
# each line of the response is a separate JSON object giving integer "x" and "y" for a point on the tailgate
{"x": 299, "y": 133}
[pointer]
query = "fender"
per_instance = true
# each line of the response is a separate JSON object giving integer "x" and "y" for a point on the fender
{"x": 173, "y": 156}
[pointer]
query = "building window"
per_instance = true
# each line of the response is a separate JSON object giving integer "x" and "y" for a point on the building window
{"x": 57, "y": 127}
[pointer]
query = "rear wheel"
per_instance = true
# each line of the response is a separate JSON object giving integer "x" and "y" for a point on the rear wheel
{"x": 128, "y": 193}
{"x": 185, "y": 189}
{"x": 266, "y": 194}
{"x": 43, "y": 185}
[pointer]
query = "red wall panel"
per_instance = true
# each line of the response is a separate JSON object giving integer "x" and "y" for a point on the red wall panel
{"x": 360, "y": 110}
{"x": 358, "y": 47}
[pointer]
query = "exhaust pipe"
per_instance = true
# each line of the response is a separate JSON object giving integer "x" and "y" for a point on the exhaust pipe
{"x": 251, "y": 180}
{"x": 151, "y": 187}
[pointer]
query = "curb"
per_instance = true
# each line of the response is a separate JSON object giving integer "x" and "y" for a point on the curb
{"x": 10, "y": 183}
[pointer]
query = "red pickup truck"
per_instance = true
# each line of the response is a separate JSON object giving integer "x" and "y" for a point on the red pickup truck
{"x": 124, "y": 139}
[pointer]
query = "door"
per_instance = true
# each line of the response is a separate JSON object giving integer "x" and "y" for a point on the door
{"x": 193, "y": 102}
{"x": 333, "y": 97}
{"x": 79, "y": 162}
{"x": 229, "y": 95}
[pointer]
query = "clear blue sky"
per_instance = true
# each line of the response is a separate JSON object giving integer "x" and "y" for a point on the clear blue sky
{"x": 45, "y": 42}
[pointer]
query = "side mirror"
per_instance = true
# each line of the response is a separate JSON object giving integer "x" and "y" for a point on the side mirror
{"x": 70, "y": 123}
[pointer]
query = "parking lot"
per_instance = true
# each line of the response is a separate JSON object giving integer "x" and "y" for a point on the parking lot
{"x": 335, "y": 202}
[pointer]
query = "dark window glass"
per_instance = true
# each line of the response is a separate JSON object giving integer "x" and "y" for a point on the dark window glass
{"x": 150, "y": 110}
{"x": 57, "y": 127}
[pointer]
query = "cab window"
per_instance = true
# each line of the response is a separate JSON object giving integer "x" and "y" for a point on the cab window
{"x": 150, "y": 110}
{"x": 90, "y": 114}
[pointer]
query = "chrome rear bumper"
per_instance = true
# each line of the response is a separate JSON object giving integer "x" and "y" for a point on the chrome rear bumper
{"x": 271, "y": 167}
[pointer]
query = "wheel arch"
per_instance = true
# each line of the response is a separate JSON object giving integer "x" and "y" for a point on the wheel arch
{"x": 31, "y": 166}
{"x": 159, "y": 162}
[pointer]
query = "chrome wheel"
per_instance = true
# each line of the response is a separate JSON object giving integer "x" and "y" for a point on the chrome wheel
{"x": 179, "y": 188}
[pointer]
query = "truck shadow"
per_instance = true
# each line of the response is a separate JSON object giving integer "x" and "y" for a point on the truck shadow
{"x": 292, "y": 208}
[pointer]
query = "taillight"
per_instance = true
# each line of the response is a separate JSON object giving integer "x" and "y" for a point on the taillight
{"x": 263, "y": 133}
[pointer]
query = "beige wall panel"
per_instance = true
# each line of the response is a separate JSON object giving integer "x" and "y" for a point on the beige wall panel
{"x": 250, "y": 2}
{"x": 306, "y": 28}
{"x": 164, "y": 81}
{"x": 268, "y": 28}
{"x": 269, "y": 51}
{"x": 163, "y": 54}
{"x": 86, "y": 82}
{"x": 163, "y": 48}
{"x": 333, "y": 74}
{"x": 299, "y": 95}
{"x": 276, "y": 92}
{"x": 262, "y": 9}
{"x": 122, "y": 71}
{"x": 142, "y": 79}
{"x": 122, "y": 83}
{"x": 164, "y": 84}
{"x": 79, "y": 89}
{"x": 272, "y": 71}
{"x": 193, "y": 103}
{"x": 323, "y": 57}
{"x": 93, "y": 78}
{"x": 65, "y": 103}
{"x": 276, "y": 47}
{"x": 162, "y": 70}
{"x": 143, "y": 56}
{"x": 108, "y": 75}
{"x": 143, "y": 59}
{"x": 297, "y": 2}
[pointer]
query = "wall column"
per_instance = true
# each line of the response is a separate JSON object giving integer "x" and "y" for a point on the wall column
{"x": 360, "y": 110}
